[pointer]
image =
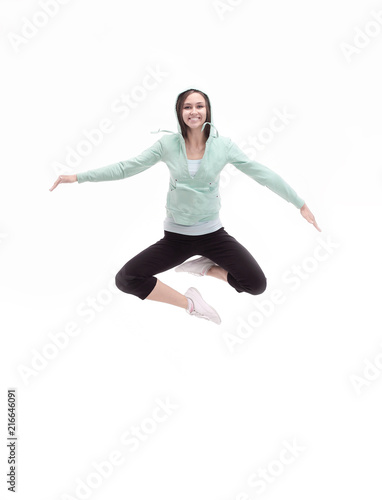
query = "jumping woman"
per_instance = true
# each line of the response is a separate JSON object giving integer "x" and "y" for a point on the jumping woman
{"x": 195, "y": 156}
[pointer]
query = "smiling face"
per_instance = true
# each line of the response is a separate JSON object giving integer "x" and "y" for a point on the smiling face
{"x": 194, "y": 111}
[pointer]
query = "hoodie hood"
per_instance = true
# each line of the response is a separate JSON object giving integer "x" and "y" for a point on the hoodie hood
{"x": 213, "y": 130}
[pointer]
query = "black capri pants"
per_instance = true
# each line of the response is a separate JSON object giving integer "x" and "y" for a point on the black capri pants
{"x": 244, "y": 274}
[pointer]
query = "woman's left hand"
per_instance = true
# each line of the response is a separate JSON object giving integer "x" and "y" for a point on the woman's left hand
{"x": 305, "y": 212}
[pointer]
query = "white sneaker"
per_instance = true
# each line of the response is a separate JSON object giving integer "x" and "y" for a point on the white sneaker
{"x": 201, "y": 308}
{"x": 197, "y": 267}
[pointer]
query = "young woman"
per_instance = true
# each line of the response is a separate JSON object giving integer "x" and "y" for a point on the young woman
{"x": 195, "y": 156}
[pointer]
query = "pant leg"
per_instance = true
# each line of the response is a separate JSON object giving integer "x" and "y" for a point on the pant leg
{"x": 136, "y": 277}
{"x": 244, "y": 273}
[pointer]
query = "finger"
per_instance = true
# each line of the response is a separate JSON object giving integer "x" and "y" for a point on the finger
{"x": 55, "y": 184}
{"x": 309, "y": 218}
{"x": 316, "y": 225}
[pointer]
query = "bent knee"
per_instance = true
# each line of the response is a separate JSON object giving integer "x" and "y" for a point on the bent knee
{"x": 140, "y": 286}
{"x": 123, "y": 281}
{"x": 263, "y": 285}
{"x": 258, "y": 286}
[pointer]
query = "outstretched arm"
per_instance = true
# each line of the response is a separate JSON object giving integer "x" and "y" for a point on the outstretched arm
{"x": 267, "y": 177}
{"x": 120, "y": 170}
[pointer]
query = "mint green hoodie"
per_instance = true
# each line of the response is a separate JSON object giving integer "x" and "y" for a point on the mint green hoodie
{"x": 194, "y": 199}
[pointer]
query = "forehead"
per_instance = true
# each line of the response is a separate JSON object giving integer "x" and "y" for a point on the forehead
{"x": 194, "y": 98}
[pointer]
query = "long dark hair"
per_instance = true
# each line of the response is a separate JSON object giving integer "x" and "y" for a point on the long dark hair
{"x": 179, "y": 108}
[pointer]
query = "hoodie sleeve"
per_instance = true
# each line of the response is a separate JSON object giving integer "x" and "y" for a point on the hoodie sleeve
{"x": 127, "y": 168}
{"x": 263, "y": 175}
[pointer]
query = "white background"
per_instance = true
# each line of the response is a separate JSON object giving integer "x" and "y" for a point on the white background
{"x": 290, "y": 378}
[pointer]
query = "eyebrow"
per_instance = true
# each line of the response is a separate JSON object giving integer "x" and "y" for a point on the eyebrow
{"x": 200, "y": 102}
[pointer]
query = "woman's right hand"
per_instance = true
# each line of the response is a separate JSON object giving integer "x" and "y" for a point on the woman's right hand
{"x": 307, "y": 214}
{"x": 64, "y": 178}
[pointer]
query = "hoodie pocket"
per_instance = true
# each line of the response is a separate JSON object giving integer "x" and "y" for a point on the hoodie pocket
{"x": 213, "y": 188}
{"x": 173, "y": 184}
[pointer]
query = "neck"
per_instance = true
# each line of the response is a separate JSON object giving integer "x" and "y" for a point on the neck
{"x": 195, "y": 138}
